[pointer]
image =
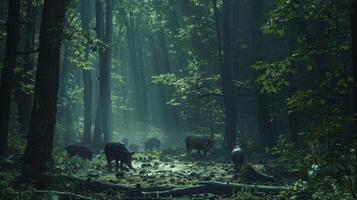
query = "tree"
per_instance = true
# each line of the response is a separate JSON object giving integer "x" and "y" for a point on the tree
{"x": 23, "y": 92}
{"x": 262, "y": 101}
{"x": 7, "y": 74}
{"x": 38, "y": 152}
{"x": 104, "y": 109}
{"x": 66, "y": 113}
{"x": 99, "y": 22}
{"x": 354, "y": 68}
{"x": 137, "y": 68}
{"x": 87, "y": 79}
{"x": 230, "y": 111}
{"x": 105, "y": 75}
{"x": 354, "y": 53}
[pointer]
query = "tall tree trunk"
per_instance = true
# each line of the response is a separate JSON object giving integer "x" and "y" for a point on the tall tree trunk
{"x": 66, "y": 114}
{"x": 354, "y": 68}
{"x": 158, "y": 111}
{"x": 230, "y": 111}
{"x": 98, "y": 129}
{"x": 139, "y": 84}
{"x": 235, "y": 38}
{"x": 105, "y": 76}
{"x": 97, "y": 133}
{"x": 8, "y": 71}
{"x": 141, "y": 72}
{"x": 171, "y": 115}
{"x": 24, "y": 99}
{"x": 38, "y": 153}
{"x": 354, "y": 53}
{"x": 265, "y": 126}
{"x": 87, "y": 79}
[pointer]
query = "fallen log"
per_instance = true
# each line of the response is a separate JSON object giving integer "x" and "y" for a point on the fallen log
{"x": 58, "y": 193}
{"x": 215, "y": 188}
{"x": 96, "y": 186}
{"x": 156, "y": 188}
{"x": 242, "y": 187}
{"x": 176, "y": 192}
{"x": 169, "y": 191}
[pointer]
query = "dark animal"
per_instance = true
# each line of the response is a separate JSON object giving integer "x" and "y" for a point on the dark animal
{"x": 117, "y": 151}
{"x": 152, "y": 144}
{"x": 133, "y": 147}
{"x": 79, "y": 150}
{"x": 237, "y": 156}
{"x": 125, "y": 141}
{"x": 199, "y": 143}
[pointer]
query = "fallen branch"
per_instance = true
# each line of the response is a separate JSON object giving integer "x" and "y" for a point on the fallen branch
{"x": 201, "y": 189}
{"x": 97, "y": 186}
{"x": 51, "y": 192}
{"x": 215, "y": 188}
{"x": 240, "y": 187}
{"x": 168, "y": 191}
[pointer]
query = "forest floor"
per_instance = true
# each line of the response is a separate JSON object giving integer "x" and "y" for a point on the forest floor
{"x": 155, "y": 169}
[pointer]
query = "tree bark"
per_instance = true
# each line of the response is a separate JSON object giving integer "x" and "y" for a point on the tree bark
{"x": 354, "y": 68}
{"x": 141, "y": 72}
{"x": 265, "y": 126}
{"x": 105, "y": 76}
{"x": 171, "y": 116}
{"x": 230, "y": 111}
{"x": 38, "y": 153}
{"x": 8, "y": 71}
{"x": 24, "y": 99}
{"x": 66, "y": 114}
{"x": 98, "y": 129}
{"x": 87, "y": 79}
{"x": 139, "y": 84}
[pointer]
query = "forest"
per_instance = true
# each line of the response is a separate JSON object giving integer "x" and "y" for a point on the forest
{"x": 178, "y": 99}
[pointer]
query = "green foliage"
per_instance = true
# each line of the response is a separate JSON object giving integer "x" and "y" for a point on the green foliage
{"x": 80, "y": 41}
{"x": 65, "y": 164}
{"x": 313, "y": 71}
{"x": 9, "y": 192}
{"x": 29, "y": 86}
{"x": 15, "y": 145}
{"x": 326, "y": 175}
{"x": 194, "y": 92}
{"x": 273, "y": 77}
